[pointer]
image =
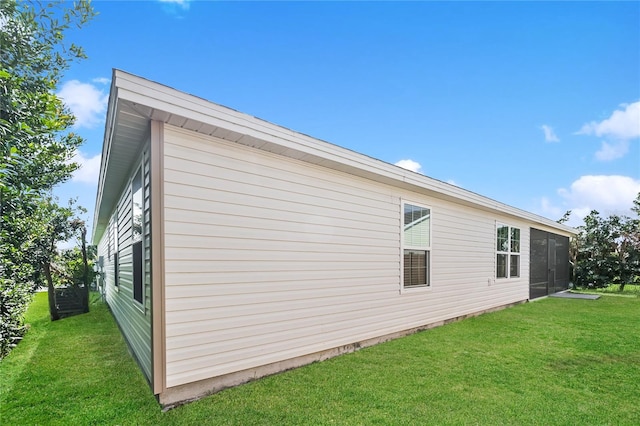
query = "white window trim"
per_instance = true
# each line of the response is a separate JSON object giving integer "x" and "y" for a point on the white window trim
{"x": 423, "y": 288}
{"x": 508, "y": 253}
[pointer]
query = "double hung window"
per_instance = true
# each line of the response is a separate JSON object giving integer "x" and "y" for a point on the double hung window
{"x": 507, "y": 251}
{"x": 416, "y": 240}
{"x": 137, "y": 200}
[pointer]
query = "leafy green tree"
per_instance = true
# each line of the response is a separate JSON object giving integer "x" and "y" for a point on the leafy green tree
{"x": 596, "y": 260}
{"x": 565, "y": 217}
{"x": 79, "y": 261}
{"x": 55, "y": 226}
{"x": 607, "y": 250}
{"x": 72, "y": 262}
{"x": 36, "y": 149}
{"x": 629, "y": 247}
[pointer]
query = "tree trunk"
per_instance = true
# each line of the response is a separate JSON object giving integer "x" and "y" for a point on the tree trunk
{"x": 53, "y": 310}
{"x": 85, "y": 277}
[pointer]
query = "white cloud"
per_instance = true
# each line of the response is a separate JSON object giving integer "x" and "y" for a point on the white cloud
{"x": 623, "y": 124}
{"x": 101, "y": 80}
{"x": 172, "y": 6}
{"x": 549, "y": 210}
{"x": 608, "y": 194}
{"x": 611, "y": 151}
{"x": 89, "y": 168}
{"x": 452, "y": 182}
{"x": 182, "y": 3}
{"x": 410, "y": 165}
{"x": 87, "y": 103}
{"x": 549, "y": 134}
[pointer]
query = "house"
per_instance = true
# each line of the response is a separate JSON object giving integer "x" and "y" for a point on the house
{"x": 232, "y": 248}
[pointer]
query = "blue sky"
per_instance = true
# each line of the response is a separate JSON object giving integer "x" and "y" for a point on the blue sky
{"x": 536, "y": 105}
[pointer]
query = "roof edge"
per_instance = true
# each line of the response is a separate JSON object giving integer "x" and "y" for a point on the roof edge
{"x": 165, "y": 101}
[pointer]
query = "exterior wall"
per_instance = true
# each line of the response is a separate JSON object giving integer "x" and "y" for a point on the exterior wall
{"x": 133, "y": 318}
{"x": 269, "y": 259}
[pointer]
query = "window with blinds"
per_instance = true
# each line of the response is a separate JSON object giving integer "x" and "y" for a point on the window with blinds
{"x": 416, "y": 242}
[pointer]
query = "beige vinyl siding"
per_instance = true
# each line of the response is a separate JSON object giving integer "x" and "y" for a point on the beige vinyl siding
{"x": 269, "y": 258}
{"x": 133, "y": 318}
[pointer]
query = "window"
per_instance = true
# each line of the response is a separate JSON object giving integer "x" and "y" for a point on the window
{"x": 116, "y": 248}
{"x": 110, "y": 239}
{"x": 136, "y": 237}
{"x": 507, "y": 251}
{"x": 416, "y": 240}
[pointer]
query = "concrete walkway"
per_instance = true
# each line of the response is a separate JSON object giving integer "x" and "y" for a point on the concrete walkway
{"x": 568, "y": 295}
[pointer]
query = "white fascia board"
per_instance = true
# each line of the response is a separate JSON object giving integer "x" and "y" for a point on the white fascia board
{"x": 104, "y": 160}
{"x": 159, "y": 97}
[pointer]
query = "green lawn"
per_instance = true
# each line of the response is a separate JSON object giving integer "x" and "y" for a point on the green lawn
{"x": 554, "y": 361}
{"x": 630, "y": 290}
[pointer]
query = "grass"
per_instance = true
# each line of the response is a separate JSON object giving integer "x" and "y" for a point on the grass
{"x": 554, "y": 361}
{"x": 631, "y": 290}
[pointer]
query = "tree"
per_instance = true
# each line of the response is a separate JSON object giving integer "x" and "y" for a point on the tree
{"x": 36, "y": 150}
{"x": 56, "y": 226}
{"x": 629, "y": 247}
{"x": 72, "y": 261}
{"x": 87, "y": 269}
{"x": 608, "y": 249}
{"x": 565, "y": 217}
{"x": 596, "y": 261}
